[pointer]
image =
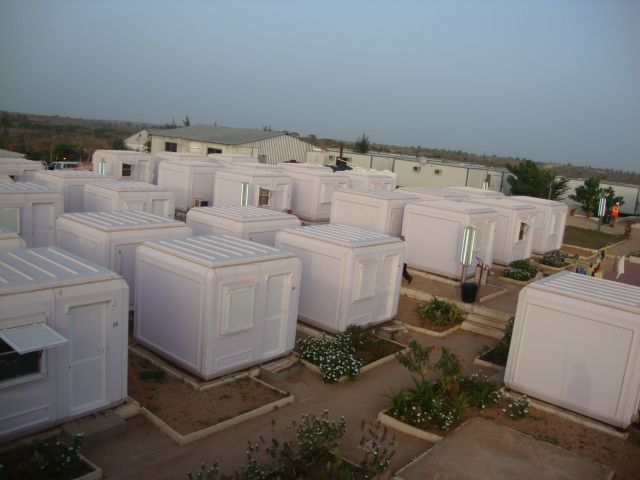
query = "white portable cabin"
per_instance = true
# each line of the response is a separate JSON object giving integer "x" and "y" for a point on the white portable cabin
{"x": 63, "y": 339}
{"x": 30, "y": 210}
{"x": 514, "y": 229}
{"x": 434, "y": 233}
{"x": 19, "y": 169}
{"x": 71, "y": 183}
{"x": 473, "y": 193}
{"x": 255, "y": 187}
{"x": 10, "y": 240}
{"x": 349, "y": 276}
{"x": 312, "y": 189}
{"x": 250, "y": 223}
{"x": 576, "y": 344}
{"x": 363, "y": 179}
{"x": 181, "y": 157}
{"x": 374, "y": 210}
{"x": 216, "y": 304}
{"x": 112, "y": 195}
{"x": 429, "y": 193}
{"x": 550, "y": 220}
{"x": 230, "y": 158}
{"x": 126, "y": 164}
{"x": 110, "y": 239}
{"x": 190, "y": 180}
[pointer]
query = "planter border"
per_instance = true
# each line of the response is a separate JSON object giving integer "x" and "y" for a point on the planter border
{"x": 96, "y": 474}
{"x": 484, "y": 363}
{"x": 181, "y": 439}
{"x": 433, "y": 333}
{"x": 369, "y": 366}
{"x": 396, "y": 424}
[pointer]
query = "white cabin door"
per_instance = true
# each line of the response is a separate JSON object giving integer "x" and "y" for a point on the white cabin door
{"x": 278, "y": 291}
{"x": 88, "y": 344}
{"x": 42, "y": 225}
{"x": 125, "y": 263}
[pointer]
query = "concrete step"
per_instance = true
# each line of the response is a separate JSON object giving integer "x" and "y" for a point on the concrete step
{"x": 482, "y": 329}
{"x": 280, "y": 369}
{"x": 487, "y": 321}
{"x": 95, "y": 428}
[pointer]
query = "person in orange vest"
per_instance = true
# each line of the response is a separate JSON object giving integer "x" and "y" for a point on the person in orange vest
{"x": 615, "y": 211}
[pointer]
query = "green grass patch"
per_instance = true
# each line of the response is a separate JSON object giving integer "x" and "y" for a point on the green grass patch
{"x": 583, "y": 237}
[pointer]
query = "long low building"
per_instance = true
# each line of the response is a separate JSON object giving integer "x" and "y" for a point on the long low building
{"x": 421, "y": 171}
{"x": 267, "y": 146}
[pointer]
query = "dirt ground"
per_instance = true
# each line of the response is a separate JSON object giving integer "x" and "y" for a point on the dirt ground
{"x": 188, "y": 410}
{"x": 408, "y": 313}
{"x": 445, "y": 290}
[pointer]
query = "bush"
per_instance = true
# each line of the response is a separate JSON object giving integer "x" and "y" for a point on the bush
{"x": 441, "y": 312}
{"x": 554, "y": 258}
{"x": 335, "y": 356}
{"x": 520, "y": 270}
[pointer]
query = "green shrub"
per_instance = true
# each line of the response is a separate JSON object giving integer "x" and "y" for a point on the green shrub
{"x": 520, "y": 270}
{"x": 335, "y": 356}
{"x": 441, "y": 312}
{"x": 554, "y": 258}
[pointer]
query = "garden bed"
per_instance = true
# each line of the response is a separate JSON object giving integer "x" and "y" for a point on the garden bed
{"x": 186, "y": 414}
{"x": 44, "y": 459}
{"x": 408, "y": 314}
{"x": 588, "y": 239}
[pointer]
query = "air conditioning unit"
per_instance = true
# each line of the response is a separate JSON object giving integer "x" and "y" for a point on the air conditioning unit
{"x": 417, "y": 168}
{"x": 200, "y": 202}
{"x": 437, "y": 171}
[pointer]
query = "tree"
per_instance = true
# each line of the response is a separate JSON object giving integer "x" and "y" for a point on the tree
{"x": 186, "y": 122}
{"x": 362, "y": 144}
{"x": 5, "y": 124}
{"x": 558, "y": 188}
{"x": 67, "y": 151}
{"x": 528, "y": 179}
{"x": 588, "y": 196}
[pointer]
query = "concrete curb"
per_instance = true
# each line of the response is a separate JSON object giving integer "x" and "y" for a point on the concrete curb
{"x": 433, "y": 333}
{"x": 431, "y": 276}
{"x": 218, "y": 427}
{"x": 95, "y": 475}
{"x": 391, "y": 422}
{"x": 483, "y": 363}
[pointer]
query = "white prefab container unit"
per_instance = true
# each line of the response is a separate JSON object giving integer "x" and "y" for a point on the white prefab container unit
{"x": 108, "y": 196}
{"x": 374, "y": 210}
{"x": 216, "y": 304}
{"x": 434, "y": 233}
{"x": 227, "y": 158}
{"x": 349, "y": 276}
{"x": 576, "y": 344}
{"x": 71, "y": 183}
{"x": 550, "y": 222}
{"x": 63, "y": 339}
{"x": 181, "y": 157}
{"x": 190, "y": 180}
{"x": 514, "y": 229}
{"x": 10, "y": 240}
{"x": 442, "y": 193}
{"x": 250, "y": 223}
{"x": 30, "y": 210}
{"x": 20, "y": 169}
{"x": 258, "y": 188}
{"x": 312, "y": 190}
{"x": 360, "y": 178}
{"x": 110, "y": 239}
{"x": 474, "y": 193}
{"x": 126, "y": 164}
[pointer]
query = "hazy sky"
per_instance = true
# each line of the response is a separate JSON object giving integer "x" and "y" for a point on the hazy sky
{"x": 550, "y": 80}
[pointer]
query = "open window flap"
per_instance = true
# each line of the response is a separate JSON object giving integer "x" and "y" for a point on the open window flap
{"x": 30, "y": 338}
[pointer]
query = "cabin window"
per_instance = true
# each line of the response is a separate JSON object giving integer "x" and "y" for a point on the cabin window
{"x": 244, "y": 194}
{"x": 239, "y": 309}
{"x": 366, "y": 274}
{"x": 213, "y": 150}
{"x": 170, "y": 147}
{"x": 264, "y": 197}
{"x": 127, "y": 169}
{"x": 13, "y": 365}
{"x": 523, "y": 231}
{"x": 10, "y": 219}
{"x": 102, "y": 167}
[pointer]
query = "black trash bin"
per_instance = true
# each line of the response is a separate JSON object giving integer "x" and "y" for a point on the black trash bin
{"x": 469, "y": 292}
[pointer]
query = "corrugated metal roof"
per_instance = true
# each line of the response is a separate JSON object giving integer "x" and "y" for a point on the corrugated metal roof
{"x": 243, "y": 213}
{"x": 71, "y": 173}
{"x": 127, "y": 186}
{"x": 24, "y": 187}
{"x": 122, "y": 220}
{"x": 216, "y": 251}
{"x": 10, "y": 154}
{"x": 382, "y": 194}
{"x": 591, "y": 289}
{"x": 342, "y": 235}
{"x": 25, "y": 270}
{"x": 221, "y": 135}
